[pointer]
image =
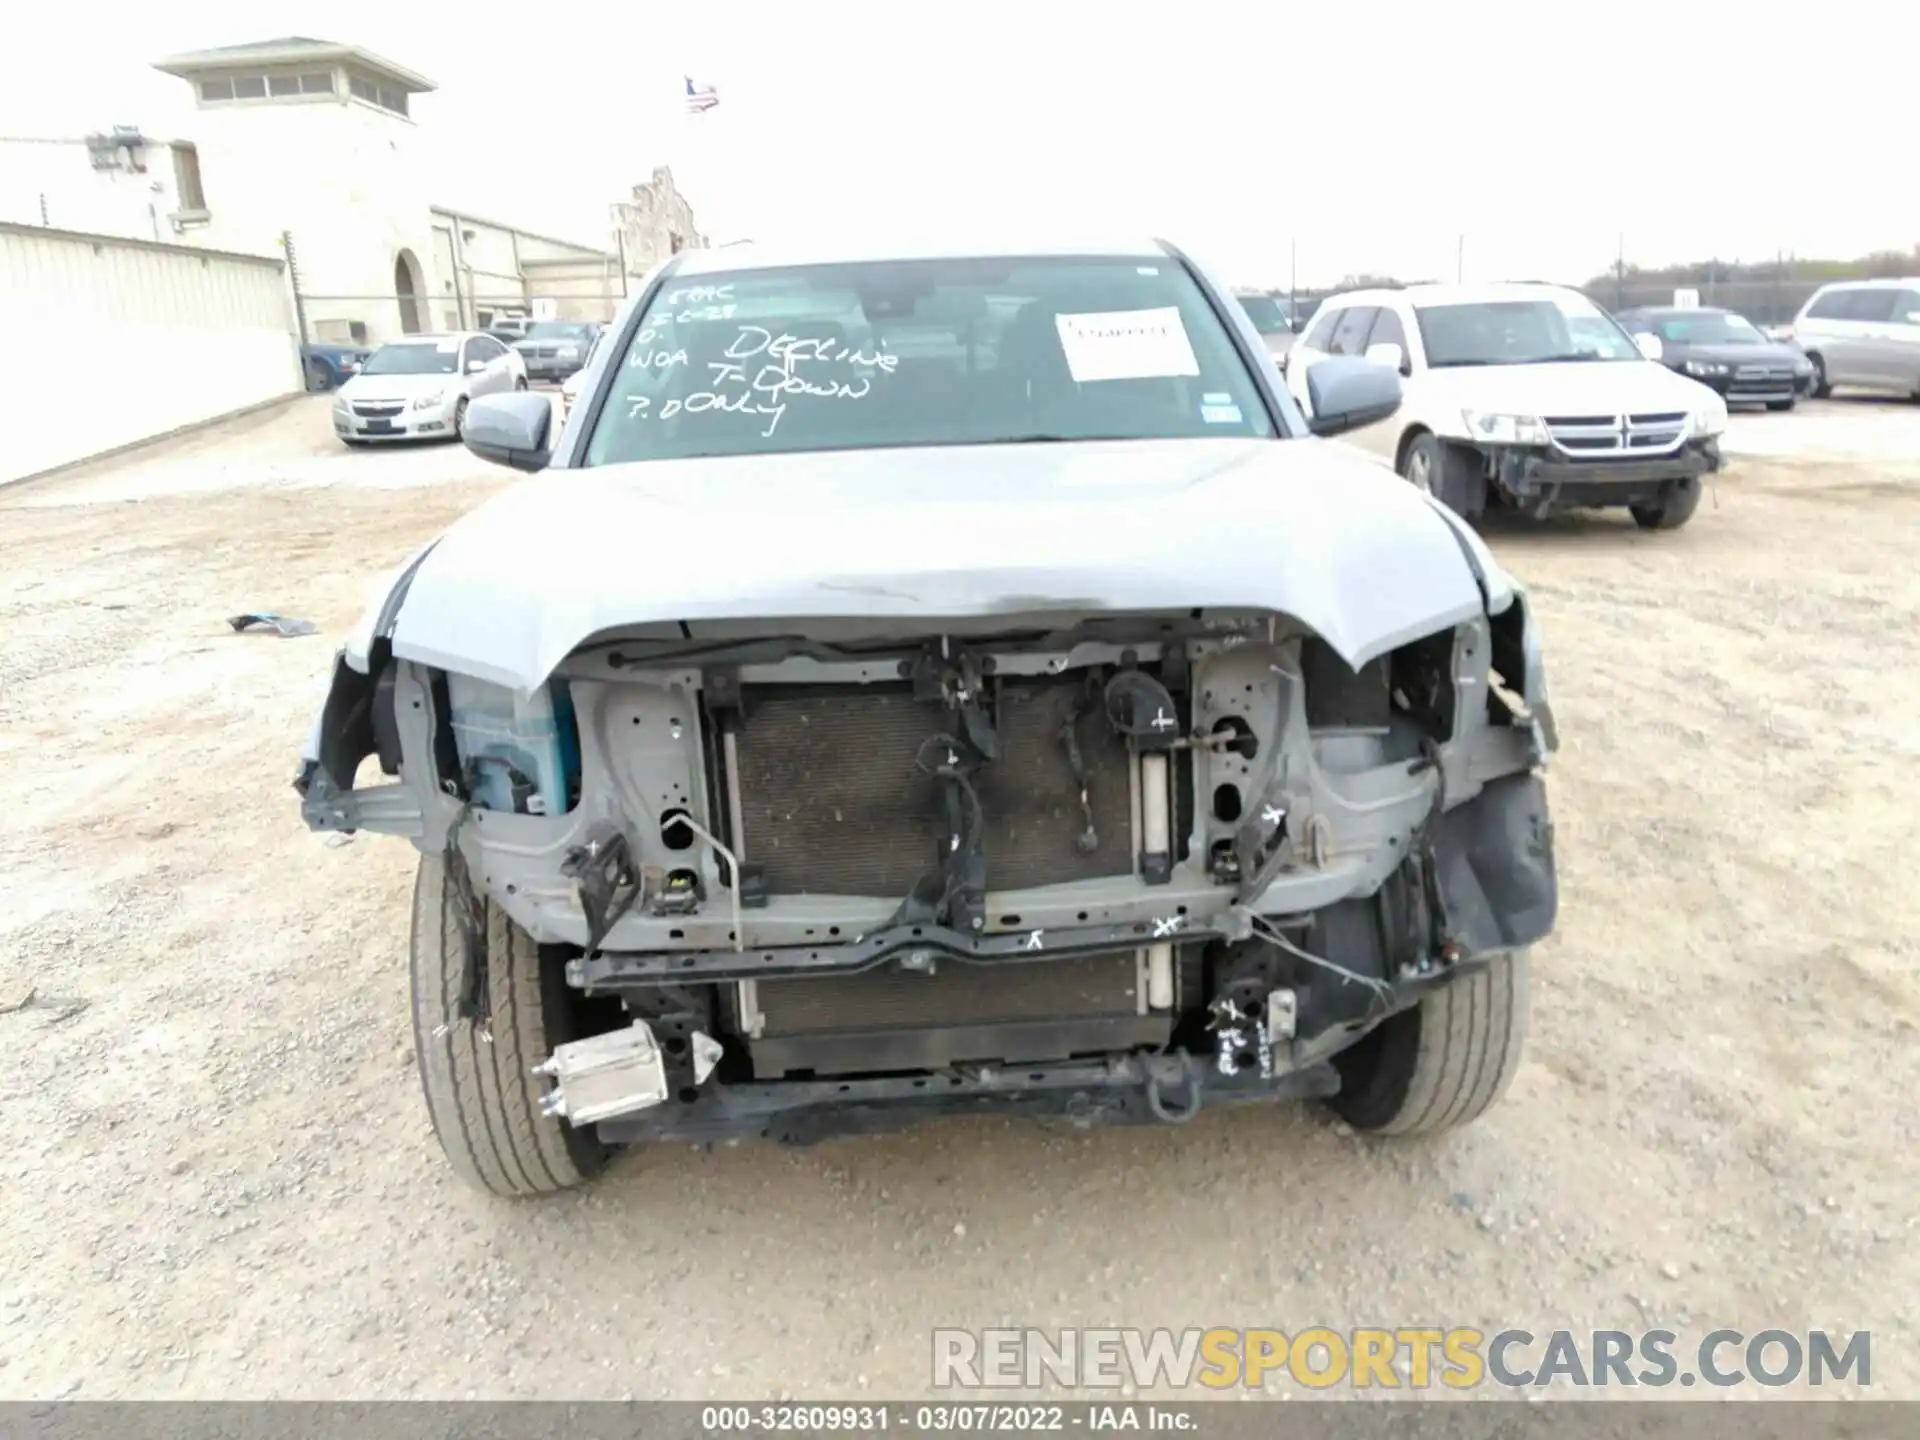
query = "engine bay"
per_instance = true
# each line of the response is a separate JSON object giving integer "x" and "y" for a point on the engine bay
{"x": 1123, "y": 855}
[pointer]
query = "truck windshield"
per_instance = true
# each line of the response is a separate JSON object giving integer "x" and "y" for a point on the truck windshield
{"x": 1264, "y": 311}
{"x": 560, "y": 330}
{"x": 925, "y": 352}
{"x": 1524, "y": 331}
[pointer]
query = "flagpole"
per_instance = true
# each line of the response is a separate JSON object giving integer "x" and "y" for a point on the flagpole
{"x": 698, "y": 102}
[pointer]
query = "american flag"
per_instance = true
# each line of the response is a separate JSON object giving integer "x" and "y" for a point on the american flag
{"x": 700, "y": 98}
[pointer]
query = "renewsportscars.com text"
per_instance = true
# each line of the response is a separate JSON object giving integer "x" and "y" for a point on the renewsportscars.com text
{"x": 1402, "y": 1358}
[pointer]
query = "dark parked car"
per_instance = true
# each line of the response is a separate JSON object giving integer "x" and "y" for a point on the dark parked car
{"x": 329, "y": 366}
{"x": 1724, "y": 351}
{"x": 555, "y": 349}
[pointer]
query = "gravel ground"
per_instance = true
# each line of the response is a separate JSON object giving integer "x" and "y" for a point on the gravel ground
{"x": 217, "y": 1173}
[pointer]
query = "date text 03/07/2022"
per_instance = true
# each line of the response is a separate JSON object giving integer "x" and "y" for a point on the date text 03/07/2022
{"x": 947, "y": 1417}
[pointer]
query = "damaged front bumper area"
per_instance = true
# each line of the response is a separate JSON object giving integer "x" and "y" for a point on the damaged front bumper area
{"x": 1541, "y": 482}
{"x": 1089, "y": 870}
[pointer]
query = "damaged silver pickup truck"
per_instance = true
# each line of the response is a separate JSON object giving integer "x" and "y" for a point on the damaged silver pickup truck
{"x": 933, "y": 684}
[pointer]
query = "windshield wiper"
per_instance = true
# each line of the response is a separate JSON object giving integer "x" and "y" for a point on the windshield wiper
{"x": 1039, "y": 438}
{"x": 1563, "y": 359}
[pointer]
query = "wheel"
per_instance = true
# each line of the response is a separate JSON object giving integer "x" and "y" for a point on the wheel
{"x": 1672, "y": 510}
{"x": 319, "y": 377}
{"x": 1446, "y": 472}
{"x": 482, "y": 1097}
{"x": 1445, "y": 1061}
{"x": 1819, "y": 389}
{"x": 459, "y": 417}
{"x": 520, "y": 383}
{"x": 1420, "y": 466}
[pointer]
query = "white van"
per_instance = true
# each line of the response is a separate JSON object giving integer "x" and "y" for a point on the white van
{"x": 1528, "y": 397}
{"x": 1864, "y": 335}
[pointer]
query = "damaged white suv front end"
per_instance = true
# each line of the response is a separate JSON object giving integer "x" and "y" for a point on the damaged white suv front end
{"x": 920, "y": 685}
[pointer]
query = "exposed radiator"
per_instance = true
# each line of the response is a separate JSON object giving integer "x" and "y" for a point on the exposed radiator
{"x": 832, "y": 803}
{"x": 890, "y": 1019}
{"x": 956, "y": 994}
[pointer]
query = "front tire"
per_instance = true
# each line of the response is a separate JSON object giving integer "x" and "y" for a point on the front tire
{"x": 1673, "y": 509}
{"x": 460, "y": 417}
{"x": 1444, "y": 1062}
{"x": 520, "y": 383}
{"x": 482, "y": 1096}
{"x": 1819, "y": 389}
{"x": 1446, "y": 472}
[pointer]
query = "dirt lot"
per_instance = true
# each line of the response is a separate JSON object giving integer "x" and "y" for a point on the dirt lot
{"x": 216, "y": 1175}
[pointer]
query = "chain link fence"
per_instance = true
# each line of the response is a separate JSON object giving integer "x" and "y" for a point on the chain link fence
{"x": 1767, "y": 292}
{"x": 1765, "y": 299}
{"x": 367, "y": 319}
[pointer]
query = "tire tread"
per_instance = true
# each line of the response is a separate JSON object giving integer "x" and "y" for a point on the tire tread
{"x": 1470, "y": 1039}
{"x": 482, "y": 1097}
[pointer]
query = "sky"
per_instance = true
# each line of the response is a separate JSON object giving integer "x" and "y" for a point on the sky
{"x": 1478, "y": 139}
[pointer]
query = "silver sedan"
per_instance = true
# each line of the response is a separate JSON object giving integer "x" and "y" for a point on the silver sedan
{"x": 418, "y": 388}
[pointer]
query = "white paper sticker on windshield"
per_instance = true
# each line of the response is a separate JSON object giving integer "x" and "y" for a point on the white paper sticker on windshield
{"x": 1126, "y": 345}
{"x": 447, "y": 347}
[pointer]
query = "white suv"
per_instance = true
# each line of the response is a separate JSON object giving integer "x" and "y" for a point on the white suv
{"x": 1524, "y": 396}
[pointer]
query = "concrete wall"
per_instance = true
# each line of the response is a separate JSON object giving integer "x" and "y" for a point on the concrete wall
{"x": 500, "y": 268}
{"x": 343, "y": 178}
{"x": 454, "y": 311}
{"x": 120, "y": 340}
{"x": 51, "y": 182}
{"x": 340, "y": 175}
{"x": 582, "y": 289}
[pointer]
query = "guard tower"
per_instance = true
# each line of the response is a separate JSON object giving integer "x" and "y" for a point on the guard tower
{"x": 314, "y": 139}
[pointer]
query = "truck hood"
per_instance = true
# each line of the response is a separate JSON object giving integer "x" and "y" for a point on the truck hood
{"x": 1301, "y": 527}
{"x": 1578, "y": 387}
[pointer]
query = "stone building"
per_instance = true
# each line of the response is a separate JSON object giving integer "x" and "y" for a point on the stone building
{"x": 655, "y": 223}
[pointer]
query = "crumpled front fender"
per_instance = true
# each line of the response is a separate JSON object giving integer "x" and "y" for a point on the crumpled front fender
{"x": 383, "y": 607}
{"x": 356, "y": 720}
{"x": 342, "y": 734}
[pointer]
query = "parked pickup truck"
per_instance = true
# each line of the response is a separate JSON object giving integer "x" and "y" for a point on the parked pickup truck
{"x": 329, "y": 366}
{"x": 1033, "y": 719}
{"x": 555, "y": 349}
{"x": 1523, "y": 396}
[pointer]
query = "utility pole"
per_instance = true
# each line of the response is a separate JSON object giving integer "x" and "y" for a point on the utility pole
{"x": 293, "y": 283}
